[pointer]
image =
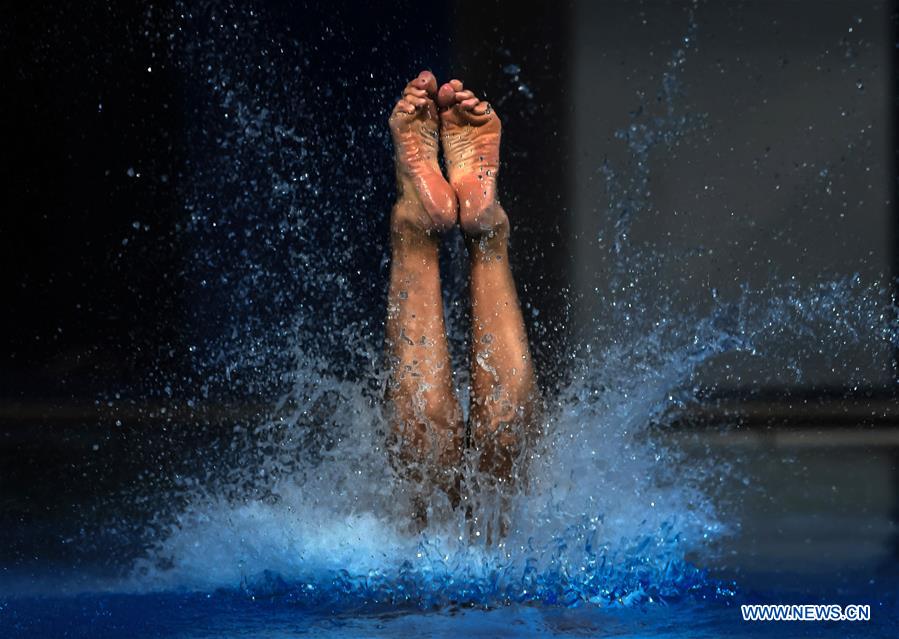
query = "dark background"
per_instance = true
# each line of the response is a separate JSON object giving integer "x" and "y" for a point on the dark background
{"x": 113, "y": 148}
{"x": 95, "y": 143}
{"x": 103, "y": 124}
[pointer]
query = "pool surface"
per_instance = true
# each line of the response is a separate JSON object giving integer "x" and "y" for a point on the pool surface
{"x": 238, "y": 614}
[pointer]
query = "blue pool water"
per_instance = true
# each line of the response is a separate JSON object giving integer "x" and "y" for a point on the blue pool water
{"x": 284, "y": 612}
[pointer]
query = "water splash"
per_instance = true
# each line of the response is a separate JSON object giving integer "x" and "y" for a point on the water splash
{"x": 629, "y": 192}
{"x": 298, "y": 500}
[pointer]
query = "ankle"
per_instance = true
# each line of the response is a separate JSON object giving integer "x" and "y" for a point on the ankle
{"x": 410, "y": 227}
{"x": 487, "y": 228}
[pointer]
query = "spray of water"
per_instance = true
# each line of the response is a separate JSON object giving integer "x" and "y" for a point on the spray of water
{"x": 289, "y": 270}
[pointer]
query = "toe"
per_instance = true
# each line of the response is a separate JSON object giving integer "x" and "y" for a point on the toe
{"x": 446, "y": 97}
{"x": 469, "y": 103}
{"x": 476, "y": 112}
{"x": 456, "y": 84}
{"x": 427, "y": 81}
{"x": 461, "y": 96}
{"x": 403, "y": 107}
{"x": 415, "y": 101}
{"x": 418, "y": 93}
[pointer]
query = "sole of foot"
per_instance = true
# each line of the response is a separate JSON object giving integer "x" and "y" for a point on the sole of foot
{"x": 470, "y": 132}
{"x": 426, "y": 200}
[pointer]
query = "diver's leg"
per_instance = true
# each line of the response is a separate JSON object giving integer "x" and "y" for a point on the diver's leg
{"x": 425, "y": 417}
{"x": 504, "y": 401}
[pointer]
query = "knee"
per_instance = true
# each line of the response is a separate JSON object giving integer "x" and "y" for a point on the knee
{"x": 426, "y": 429}
{"x": 498, "y": 445}
{"x": 502, "y": 435}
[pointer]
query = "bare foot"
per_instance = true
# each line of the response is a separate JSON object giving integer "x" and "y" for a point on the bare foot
{"x": 470, "y": 132}
{"x": 426, "y": 200}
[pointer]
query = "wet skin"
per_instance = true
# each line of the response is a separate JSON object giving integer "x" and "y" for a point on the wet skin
{"x": 426, "y": 420}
